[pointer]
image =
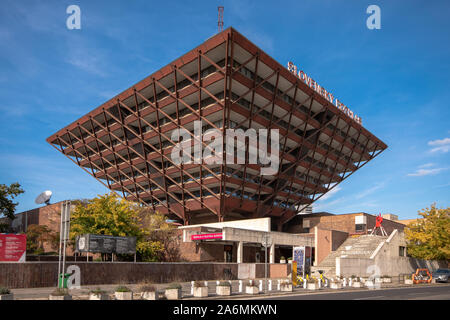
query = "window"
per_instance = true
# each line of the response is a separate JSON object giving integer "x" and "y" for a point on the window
{"x": 360, "y": 227}
{"x": 402, "y": 251}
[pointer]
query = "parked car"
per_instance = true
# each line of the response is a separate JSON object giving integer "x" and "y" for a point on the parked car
{"x": 441, "y": 275}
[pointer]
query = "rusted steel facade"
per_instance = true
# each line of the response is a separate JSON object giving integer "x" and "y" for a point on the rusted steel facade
{"x": 226, "y": 82}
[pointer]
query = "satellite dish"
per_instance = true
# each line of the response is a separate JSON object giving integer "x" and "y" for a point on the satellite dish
{"x": 44, "y": 197}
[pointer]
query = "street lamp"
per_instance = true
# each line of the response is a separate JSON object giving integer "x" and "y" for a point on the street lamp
{"x": 266, "y": 242}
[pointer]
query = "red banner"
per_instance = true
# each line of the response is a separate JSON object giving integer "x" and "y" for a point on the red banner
{"x": 206, "y": 236}
{"x": 13, "y": 247}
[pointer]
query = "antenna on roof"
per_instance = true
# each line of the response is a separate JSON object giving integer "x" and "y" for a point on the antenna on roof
{"x": 220, "y": 18}
{"x": 44, "y": 197}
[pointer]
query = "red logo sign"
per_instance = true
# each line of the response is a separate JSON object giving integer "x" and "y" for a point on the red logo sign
{"x": 13, "y": 247}
{"x": 206, "y": 236}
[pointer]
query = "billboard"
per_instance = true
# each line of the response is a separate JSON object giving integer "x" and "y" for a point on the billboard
{"x": 13, "y": 247}
{"x": 98, "y": 243}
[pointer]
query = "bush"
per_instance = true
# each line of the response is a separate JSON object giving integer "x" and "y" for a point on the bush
{"x": 199, "y": 284}
{"x": 4, "y": 290}
{"x": 97, "y": 292}
{"x": 147, "y": 288}
{"x": 224, "y": 284}
{"x": 122, "y": 289}
{"x": 251, "y": 283}
{"x": 174, "y": 286}
{"x": 282, "y": 258}
{"x": 60, "y": 292}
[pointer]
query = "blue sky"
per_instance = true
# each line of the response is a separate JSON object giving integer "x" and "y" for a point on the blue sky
{"x": 396, "y": 78}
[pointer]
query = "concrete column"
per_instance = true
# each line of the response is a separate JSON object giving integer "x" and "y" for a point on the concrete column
{"x": 240, "y": 252}
{"x": 272, "y": 253}
{"x": 316, "y": 247}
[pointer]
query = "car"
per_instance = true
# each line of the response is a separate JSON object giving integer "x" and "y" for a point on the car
{"x": 441, "y": 275}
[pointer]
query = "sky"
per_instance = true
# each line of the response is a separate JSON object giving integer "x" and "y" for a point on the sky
{"x": 395, "y": 78}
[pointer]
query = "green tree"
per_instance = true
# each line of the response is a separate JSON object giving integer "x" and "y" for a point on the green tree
{"x": 7, "y": 194}
{"x": 429, "y": 237}
{"x": 110, "y": 215}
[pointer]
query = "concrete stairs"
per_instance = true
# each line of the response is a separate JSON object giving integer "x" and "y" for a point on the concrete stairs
{"x": 354, "y": 247}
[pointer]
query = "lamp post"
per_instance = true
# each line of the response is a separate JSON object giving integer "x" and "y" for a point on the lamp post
{"x": 266, "y": 242}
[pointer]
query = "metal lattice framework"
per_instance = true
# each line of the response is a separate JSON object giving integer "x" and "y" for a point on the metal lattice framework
{"x": 227, "y": 82}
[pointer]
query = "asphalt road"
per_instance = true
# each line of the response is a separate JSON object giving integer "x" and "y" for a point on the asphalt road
{"x": 421, "y": 292}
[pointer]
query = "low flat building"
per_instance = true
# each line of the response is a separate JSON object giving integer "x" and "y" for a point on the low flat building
{"x": 240, "y": 241}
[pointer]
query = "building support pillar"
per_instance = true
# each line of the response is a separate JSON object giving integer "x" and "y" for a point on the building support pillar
{"x": 240, "y": 252}
{"x": 272, "y": 253}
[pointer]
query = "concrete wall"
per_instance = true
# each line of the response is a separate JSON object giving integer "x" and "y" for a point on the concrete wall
{"x": 392, "y": 267}
{"x": 44, "y": 274}
{"x": 387, "y": 260}
{"x": 260, "y": 224}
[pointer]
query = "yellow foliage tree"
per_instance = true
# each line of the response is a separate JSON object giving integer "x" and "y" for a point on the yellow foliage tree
{"x": 110, "y": 215}
{"x": 429, "y": 237}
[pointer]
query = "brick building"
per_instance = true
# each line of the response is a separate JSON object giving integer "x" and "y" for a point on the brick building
{"x": 49, "y": 215}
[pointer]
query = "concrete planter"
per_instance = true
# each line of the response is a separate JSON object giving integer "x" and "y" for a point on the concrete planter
{"x": 66, "y": 297}
{"x": 223, "y": 290}
{"x": 124, "y": 295}
{"x": 173, "y": 294}
{"x": 150, "y": 295}
{"x": 408, "y": 281}
{"x": 386, "y": 280}
{"x": 282, "y": 261}
{"x": 9, "y": 296}
{"x": 286, "y": 287}
{"x": 312, "y": 286}
{"x": 100, "y": 296}
{"x": 356, "y": 285}
{"x": 251, "y": 290}
{"x": 369, "y": 284}
{"x": 200, "y": 292}
{"x": 336, "y": 285}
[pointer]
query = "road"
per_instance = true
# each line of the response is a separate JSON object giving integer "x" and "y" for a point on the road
{"x": 420, "y": 292}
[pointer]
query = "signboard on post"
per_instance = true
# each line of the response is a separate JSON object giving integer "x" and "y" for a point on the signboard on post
{"x": 98, "y": 243}
{"x": 299, "y": 258}
{"x": 13, "y": 247}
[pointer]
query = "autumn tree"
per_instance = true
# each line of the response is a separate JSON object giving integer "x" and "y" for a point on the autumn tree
{"x": 429, "y": 237}
{"x": 37, "y": 235}
{"x": 159, "y": 231}
{"x": 110, "y": 215}
{"x": 7, "y": 195}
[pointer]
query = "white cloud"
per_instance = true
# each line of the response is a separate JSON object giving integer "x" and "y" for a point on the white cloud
{"x": 368, "y": 191}
{"x": 425, "y": 172}
{"x": 330, "y": 193}
{"x": 442, "y": 145}
{"x": 426, "y": 165}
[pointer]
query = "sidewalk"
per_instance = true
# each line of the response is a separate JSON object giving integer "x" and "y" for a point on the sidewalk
{"x": 83, "y": 293}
